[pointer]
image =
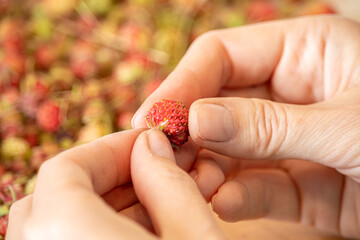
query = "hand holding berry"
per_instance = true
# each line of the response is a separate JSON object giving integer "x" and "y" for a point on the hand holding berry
{"x": 77, "y": 198}
{"x": 302, "y": 78}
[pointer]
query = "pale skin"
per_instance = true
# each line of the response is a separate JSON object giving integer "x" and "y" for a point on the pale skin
{"x": 302, "y": 161}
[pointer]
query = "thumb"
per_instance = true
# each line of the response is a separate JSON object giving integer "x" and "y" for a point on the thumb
{"x": 169, "y": 194}
{"x": 326, "y": 133}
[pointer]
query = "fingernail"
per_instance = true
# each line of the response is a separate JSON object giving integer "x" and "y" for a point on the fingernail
{"x": 133, "y": 121}
{"x": 194, "y": 174}
{"x": 212, "y": 202}
{"x": 159, "y": 144}
{"x": 215, "y": 123}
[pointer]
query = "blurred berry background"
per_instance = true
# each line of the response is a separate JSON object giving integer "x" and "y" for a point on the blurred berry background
{"x": 72, "y": 71}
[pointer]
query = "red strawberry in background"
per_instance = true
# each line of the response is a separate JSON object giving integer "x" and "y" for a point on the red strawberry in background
{"x": 262, "y": 10}
{"x": 13, "y": 43}
{"x": 48, "y": 116}
{"x": 31, "y": 135}
{"x": 172, "y": 118}
{"x": 45, "y": 56}
{"x": 4, "y": 4}
{"x": 15, "y": 62}
{"x": 11, "y": 36}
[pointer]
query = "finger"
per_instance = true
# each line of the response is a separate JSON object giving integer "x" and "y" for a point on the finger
{"x": 167, "y": 189}
{"x": 298, "y": 191}
{"x": 70, "y": 211}
{"x": 185, "y": 157}
{"x": 219, "y": 59}
{"x": 121, "y": 197}
{"x": 64, "y": 193}
{"x": 19, "y": 214}
{"x": 226, "y": 63}
{"x": 257, "y": 193}
{"x": 212, "y": 169}
{"x": 227, "y": 164}
{"x": 262, "y": 129}
{"x": 208, "y": 177}
{"x": 105, "y": 162}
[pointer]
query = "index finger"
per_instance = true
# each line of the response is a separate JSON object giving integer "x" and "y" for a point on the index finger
{"x": 100, "y": 165}
{"x": 240, "y": 57}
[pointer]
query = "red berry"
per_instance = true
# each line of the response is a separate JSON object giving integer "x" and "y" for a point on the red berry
{"x": 172, "y": 118}
{"x": 48, "y": 116}
{"x": 45, "y": 56}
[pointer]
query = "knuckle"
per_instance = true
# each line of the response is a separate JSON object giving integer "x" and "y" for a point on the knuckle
{"x": 208, "y": 42}
{"x": 20, "y": 205}
{"x": 206, "y": 37}
{"x": 269, "y": 127}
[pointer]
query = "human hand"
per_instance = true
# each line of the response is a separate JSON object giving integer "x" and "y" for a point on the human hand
{"x": 80, "y": 194}
{"x": 312, "y": 61}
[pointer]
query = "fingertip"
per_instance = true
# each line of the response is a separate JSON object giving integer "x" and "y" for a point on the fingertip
{"x": 186, "y": 156}
{"x": 138, "y": 120}
{"x": 211, "y": 121}
{"x": 159, "y": 144}
{"x": 230, "y": 202}
{"x": 209, "y": 178}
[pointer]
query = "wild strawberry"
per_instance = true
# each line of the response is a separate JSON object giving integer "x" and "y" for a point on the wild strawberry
{"x": 172, "y": 118}
{"x": 31, "y": 134}
{"x": 15, "y": 62}
{"x": 48, "y": 116}
{"x": 45, "y": 56}
{"x": 4, "y": 6}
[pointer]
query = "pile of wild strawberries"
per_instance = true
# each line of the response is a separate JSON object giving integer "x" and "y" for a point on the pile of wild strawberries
{"x": 72, "y": 71}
